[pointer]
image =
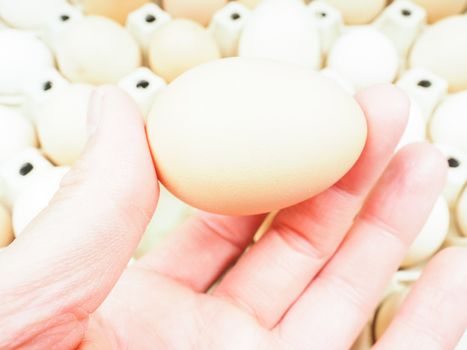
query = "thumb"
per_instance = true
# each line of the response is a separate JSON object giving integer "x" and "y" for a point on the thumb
{"x": 69, "y": 258}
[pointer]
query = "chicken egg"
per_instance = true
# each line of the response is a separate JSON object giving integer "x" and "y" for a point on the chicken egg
{"x": 245, "y": 136}
{"x": 180, "y": 45}
{"x": 358, "y": 11}
{"x": 200, "y": 11}
{"x": 461, "y": 212}
{"x": 28, "y": 14}
{"x": 117, "y": 10}
{"x": 439, "y": 9}
{"x": 6, "y": 230}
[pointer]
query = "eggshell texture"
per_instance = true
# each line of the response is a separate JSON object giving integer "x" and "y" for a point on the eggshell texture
{"x": 365, "y": 57}
{"x": 16, "y": 133}
{"x": 281, "y": 30}
{"x": 117, "y": 10}
{"x": 442, "y": 49}
{"x": 432, "y": 235}
{"x": 245, "y": 136}
{"x": 180, "y": 45}
{"x": 97, "y": 50}
{"x": 22, "y": 55}
{"x": 200, "y": 11}
{"x": 6, "y": 230}
{"x": 28, "y": 14}
{"x": 439, "y": 9}
{"x": 461, "y": 213}
{"x": 61, "y": 124}
{"x": 358, "y": 11}
{"x": 448, "y": 124}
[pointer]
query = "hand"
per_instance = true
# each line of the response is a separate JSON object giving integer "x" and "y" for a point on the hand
{"x": 311, "y": 282}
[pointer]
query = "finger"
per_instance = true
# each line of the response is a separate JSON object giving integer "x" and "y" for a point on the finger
{"x": 197, "y": 253}
{"x": 69, "y": 258}
{"x": 342, "y": 296}
{"x": 302, "y": 238}
{"x": 434, "y": 314}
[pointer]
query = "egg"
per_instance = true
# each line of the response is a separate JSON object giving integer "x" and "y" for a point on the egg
{"x": 27, "y": 14}
{"x": 16, "y": 133}
{"x": 358, "y": 11}
{"x": 117, "y": 10}
{"x": 22, "y": 55}
{"x": 200, "y": 11}
{"x": 282, "y": 30}
{"x": 365, "y": 57}
{"x": 250, "y": 3}
{"x": 6, "y": 230}
{"x": 432, "y": 235}
{"x": 461, "y": 213}
{"x": 457, "y": 173}
{"x": 415, "y": 131}
{"x": 179, "y": 46}
{"x": 18, "y": 171}
{"x": 448, "y": 124}
{"x": 387, "y": 310}
{"x": 439, "y": 9}
{"x": 364, "y": 340}
{"x": 36, "y": 197}
{"x": 61, "y": 123}
{"x": 97, "y": 50}
{"x": 442, "y": 48}
{"x": 245, "y": 136}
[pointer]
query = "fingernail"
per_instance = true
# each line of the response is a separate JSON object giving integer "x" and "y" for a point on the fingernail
{"x": 95, "y": 110}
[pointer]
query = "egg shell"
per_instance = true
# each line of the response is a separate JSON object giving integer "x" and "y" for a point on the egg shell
{"x": 431, "y": 237}
{"x": 457, "y": 173}
{"x": 16, "y": 133}
{"x": 6, "y": 229}
{"x": 461, "y": 213}
{"x": 387, "y": 310}
{"x": 36, "y": 197}
{"x": 200, "y": 11}
{"x": 402, "y": 22}
{"x": 358, "y": 11}
{"x": 18, "y": 171}
{"x": 22, "y": 55}
{"x": 449, "y": 123}
{"x": 364, "y": 56}
{"x": 442, "y": 49}
{"x": 117, "y": 10}
{"x": 282, "y": 30}
{"x": 61, "y": 123}
{"x": 250, "y": 3}
{"x": 227, "y": 25}
{"x": 179, "y": 46}
{"x": 287, "y": 135}
{"x": 87, "y": 52}
{"x": 364, "y": 340}
{"x": 439, "y": 9}
{"x": 27, "y": 14}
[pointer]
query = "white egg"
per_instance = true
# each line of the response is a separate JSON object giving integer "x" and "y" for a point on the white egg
{"x": 22, "y": 55}
{"x": 415, "y": 131}
{"x": 457, "y": 173}
{"x": 282, "y": 30}
{"x": 364, "y": 56}
{"x": 449, "y": 122}
{"x": 461, "y": 213}
{"x": 97, "y": 50}
{"x": 227, "y": 25}
{"x": 442, "y": 48}
{"x": 27, "y": 14}
{"x": 16, "y": 133}
{"x": 343, "y": 82}
{"x": 36, "y": 197}
{"x": 18, "y": 171}
{"x": 358, "y": 11}
{"x": 61, "y": 123}
{"x": 432, "y": 235}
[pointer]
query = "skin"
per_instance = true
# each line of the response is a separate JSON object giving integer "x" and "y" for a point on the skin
{"x": 312, "y": 281}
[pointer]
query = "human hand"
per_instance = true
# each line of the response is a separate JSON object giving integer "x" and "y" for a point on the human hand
{"x": 312, "y": 281}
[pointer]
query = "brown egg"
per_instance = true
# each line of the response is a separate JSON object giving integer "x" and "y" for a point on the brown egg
{"x": 200, "y": 11}
{"x": 358, "y": 11}
{"x": 438, "y": 9}
{"x": 245, "y": 136}
{"x": 6, "y": 230}
{"x": 180, "y": 45}
{"x": 117, "y": 10}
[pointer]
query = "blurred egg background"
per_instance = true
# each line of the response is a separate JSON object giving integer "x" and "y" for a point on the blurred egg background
{"x": 53, "y": 52}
